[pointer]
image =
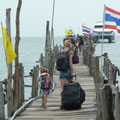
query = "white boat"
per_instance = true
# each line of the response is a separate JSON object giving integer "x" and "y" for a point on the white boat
{"x": 108, "y": 33}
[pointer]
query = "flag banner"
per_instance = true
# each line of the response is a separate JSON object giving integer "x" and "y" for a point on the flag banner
{"x": 10, "y": 54}
{"x": 86, "y": 30}
{"x": 93, "y": 32}
{"x": 67, "y": 32}
{"x": 112, "y": 19}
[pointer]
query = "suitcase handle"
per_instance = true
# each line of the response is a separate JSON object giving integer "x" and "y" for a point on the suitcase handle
{"x": 74, "y": 76}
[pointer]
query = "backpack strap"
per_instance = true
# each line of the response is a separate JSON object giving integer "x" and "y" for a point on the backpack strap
{"x": 68, "y": 51}
{"x": 67, "y": 54}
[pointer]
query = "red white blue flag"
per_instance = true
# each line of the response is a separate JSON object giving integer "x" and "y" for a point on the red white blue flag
{"x": 93, "y": 32}
{"x": 112, "y": 19}
{"x": 86, "y": 30}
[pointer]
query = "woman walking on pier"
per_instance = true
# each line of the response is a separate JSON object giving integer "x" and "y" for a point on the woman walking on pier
{"x": 68, "y": 74}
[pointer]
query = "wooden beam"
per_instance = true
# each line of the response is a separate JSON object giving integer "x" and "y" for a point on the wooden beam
{"x": 21, "y": 84}
{"x": 2, "y": 109}
{"x": 17, "y": 40}
{"x": 9, "y": 80}
{"x": 34, "y": 81}
{"x": 106, "y": 102}
{"x": 96, "y": 70}
{"x": 117, "y": 105}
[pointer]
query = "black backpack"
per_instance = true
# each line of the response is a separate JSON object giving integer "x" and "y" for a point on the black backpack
{"x": 62, "y": 63}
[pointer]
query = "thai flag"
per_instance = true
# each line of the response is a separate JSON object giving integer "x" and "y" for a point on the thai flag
{"x": 86, "y": 30}
{"x": 94, "y": 32}
{"x": 112, "y": 19}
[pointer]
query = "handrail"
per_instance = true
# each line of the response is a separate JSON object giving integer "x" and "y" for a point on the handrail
{"x": 31, "y": 100}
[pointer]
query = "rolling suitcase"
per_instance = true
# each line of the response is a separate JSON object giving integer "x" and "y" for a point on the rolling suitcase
{"x": 73, "y": 96}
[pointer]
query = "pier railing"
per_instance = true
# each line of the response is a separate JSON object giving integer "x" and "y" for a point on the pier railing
{"x": 105, "y": 79}
{"x": 4, "y": 96}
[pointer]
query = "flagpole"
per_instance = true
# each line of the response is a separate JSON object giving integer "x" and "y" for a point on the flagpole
{"x": 52, "y": 34}
{"x": 102, "y": 37}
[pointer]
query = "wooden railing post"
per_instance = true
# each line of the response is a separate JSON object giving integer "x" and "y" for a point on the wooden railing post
{"x": 98, "y": 85}
{"x": 2, "y": 110}
{"x": 41, "y": 60}
{"x": 105, "y": 62}
{"x": 110, "y": 75}
{"x": 117, "y": 105}
{"x": 56, "y": 50}
{"x": 114, "y": 74}
{"x": 9, "y": 80}
{"x": 51, "y": 64}
{"x": 96, "y": 70}
{"x": 91, "y": 58}
{"x": 17, "y": 41}
{"x": 47, "y": 45}
{"x": 106, "y": 102}
{"x": 34, "y": 81}
{"x": 21, "y": 84}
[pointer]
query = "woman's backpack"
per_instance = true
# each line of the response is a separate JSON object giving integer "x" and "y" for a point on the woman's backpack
{"x": 62, "y": 63}
{"x": 45, "y": 82}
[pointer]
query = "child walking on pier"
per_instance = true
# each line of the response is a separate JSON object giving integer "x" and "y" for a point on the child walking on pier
{"x": 45, "y": 85}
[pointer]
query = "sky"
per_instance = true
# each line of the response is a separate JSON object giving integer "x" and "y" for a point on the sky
{"x": 68, "y": 14}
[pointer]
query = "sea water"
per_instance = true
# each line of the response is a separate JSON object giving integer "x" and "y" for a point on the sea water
{"x": 30, "y": 49}
{"x": 113, "y": 50}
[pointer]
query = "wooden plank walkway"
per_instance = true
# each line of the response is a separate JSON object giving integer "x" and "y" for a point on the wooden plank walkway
{"x": 53, "y": 112}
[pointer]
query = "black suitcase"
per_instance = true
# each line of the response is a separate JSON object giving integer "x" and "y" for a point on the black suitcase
{"x": 73, "y": 96}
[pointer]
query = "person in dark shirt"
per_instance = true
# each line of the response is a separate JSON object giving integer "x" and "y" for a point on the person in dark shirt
{"x": 80, "y": 43}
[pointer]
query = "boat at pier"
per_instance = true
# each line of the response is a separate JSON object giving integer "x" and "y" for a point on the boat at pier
{"x": 108, "y": 33}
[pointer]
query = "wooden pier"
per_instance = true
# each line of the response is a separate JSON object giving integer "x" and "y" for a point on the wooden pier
{"x": 53, "y": 112}
{"x": 100, "y": 82}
